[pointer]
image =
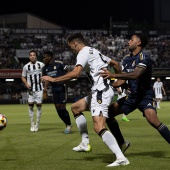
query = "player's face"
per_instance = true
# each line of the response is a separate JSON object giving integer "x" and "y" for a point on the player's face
{"x": 32, "y": 57}
{"x": 73, "y": 47}
{"x": 46, "y": 59}
{"x": 133, "y": 43}
{"x": 158, "y": 79}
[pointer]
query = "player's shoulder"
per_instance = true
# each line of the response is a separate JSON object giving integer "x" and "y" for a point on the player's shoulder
{"x": 27, "y": 64}
{"x": 143, "y": 55}
{"x": 126, "y": 56}
{"x": 40, "y": 62}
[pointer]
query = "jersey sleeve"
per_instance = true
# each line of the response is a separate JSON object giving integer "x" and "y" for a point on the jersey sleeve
{"x": 82, "y": 59}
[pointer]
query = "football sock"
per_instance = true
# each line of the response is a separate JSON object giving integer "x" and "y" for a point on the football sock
{"x": 164, "y": 131}
{"x": 31, "y": 114}
{"x": 111, "y": 142}
{"x": 39, "y": 111}
{"x": 115, "y": 130}
{"x": 82, "y": 127}
{"x": 64, "y": 116}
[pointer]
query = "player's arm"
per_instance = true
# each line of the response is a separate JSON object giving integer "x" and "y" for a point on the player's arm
{"x": 75, "y": 73}
{"x": 24, "y": 80}
{"x": 120, "y": 83}
{"x": 46, "y": 83}
{"x": 115, "y": 66}
{"x": 163, "y": 90}
{"x": 125, "y": 76}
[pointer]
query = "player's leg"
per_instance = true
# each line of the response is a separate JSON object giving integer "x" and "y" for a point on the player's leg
{"x": 152, "y": 118}
{"x": 99, "y": 111}
{"x": 64, "y": 116}
{"x": 77, "y": 109}
{"x": 60, "y": 99}
{"x": 31, "y": 111}
{"x": 31, "y": 116}
{"x": 114, "y": 109}
{"x": 39, "y": 99}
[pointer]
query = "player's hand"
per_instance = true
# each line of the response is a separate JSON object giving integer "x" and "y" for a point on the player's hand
{"x": 47, "y": 78}
{"x": 106, "y": 74}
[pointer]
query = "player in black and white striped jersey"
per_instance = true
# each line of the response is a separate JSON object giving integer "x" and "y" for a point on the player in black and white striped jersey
{"x": 159, "y": 91}
{"x": 31, "y": 77}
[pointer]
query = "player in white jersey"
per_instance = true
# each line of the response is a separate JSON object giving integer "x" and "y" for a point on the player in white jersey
{"x": 158, "y": 88}
{"x": 31, "y": 77}
{"x": 99, "y": 100}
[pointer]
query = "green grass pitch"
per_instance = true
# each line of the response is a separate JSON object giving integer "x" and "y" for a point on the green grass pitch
{"x": 50, "y": 148}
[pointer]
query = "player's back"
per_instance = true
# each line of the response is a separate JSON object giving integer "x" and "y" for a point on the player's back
{"x": 96, "y": 62}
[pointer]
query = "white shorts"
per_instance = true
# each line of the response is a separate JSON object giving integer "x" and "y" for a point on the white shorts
{"x": 99, "y": 103}
{"x": 158, "y": 96}
{"x": 36, "y": 97}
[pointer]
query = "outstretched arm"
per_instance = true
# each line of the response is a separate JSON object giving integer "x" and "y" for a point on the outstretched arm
{"x": 75, "y": 73}
{"x": 124, "y": 76}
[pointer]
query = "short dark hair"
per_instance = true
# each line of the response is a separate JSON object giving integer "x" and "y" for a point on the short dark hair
{"x": 48, "y": 53}
{"x": 33, "y": 51}
{"x": 143, "y": 38}
{"x": 77, "y": 36}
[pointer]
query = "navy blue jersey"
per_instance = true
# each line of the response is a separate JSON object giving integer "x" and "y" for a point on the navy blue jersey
{"x": 143, "y": 83}
{"x": 142, "y": 94}
{"x": 55, "y": 69}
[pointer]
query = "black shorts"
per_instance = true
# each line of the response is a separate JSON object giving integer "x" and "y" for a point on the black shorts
{"x": 59, "y": 95}
{"x": 141, "y": 102}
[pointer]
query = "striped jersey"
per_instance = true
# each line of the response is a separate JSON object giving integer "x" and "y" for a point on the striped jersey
{"x": 33, "y": 73}
{"x": 158, "y": 87}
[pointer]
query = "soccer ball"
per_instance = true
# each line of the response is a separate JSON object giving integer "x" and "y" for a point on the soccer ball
{"x": 3, "y": 121}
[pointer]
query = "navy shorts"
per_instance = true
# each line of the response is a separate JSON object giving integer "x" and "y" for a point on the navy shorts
{"x": 141, "y": 102}
{"x": 59, "y": 95}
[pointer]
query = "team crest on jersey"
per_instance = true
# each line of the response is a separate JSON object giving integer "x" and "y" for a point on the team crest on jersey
{"x": 141, "y": 56}
{"x": 99, "y": 101}
{"x": 54, "y": 67}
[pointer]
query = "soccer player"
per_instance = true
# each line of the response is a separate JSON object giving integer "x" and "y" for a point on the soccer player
{"x": 31, "y": 77}
{"x": 137, "y": 69}
{"x": 56, "y": 68}
{"x": 99, "y": 100}
{"x": 158, "y": 88}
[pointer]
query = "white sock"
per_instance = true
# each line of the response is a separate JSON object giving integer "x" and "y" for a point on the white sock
{"x": 110, "y": 141}
{"x": 82, "y": 127}
{"x": 31, "y": 115}
{"x": 39, "y": 112}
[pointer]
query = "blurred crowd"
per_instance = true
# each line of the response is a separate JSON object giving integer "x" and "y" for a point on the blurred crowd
{"x": 113, "y": 46}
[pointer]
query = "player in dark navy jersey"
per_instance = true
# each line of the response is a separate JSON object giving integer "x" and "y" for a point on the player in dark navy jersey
{"x": 137, "y": 69}
{"x": 56, "y": 68}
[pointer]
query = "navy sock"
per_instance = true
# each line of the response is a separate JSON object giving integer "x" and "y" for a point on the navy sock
{"x": 164, "y": 131}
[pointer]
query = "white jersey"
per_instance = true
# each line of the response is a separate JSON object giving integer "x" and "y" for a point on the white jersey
{"x": 158, "y": 87}
{"x": 33, "y": 74}
{"x": 92, "y": 58}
